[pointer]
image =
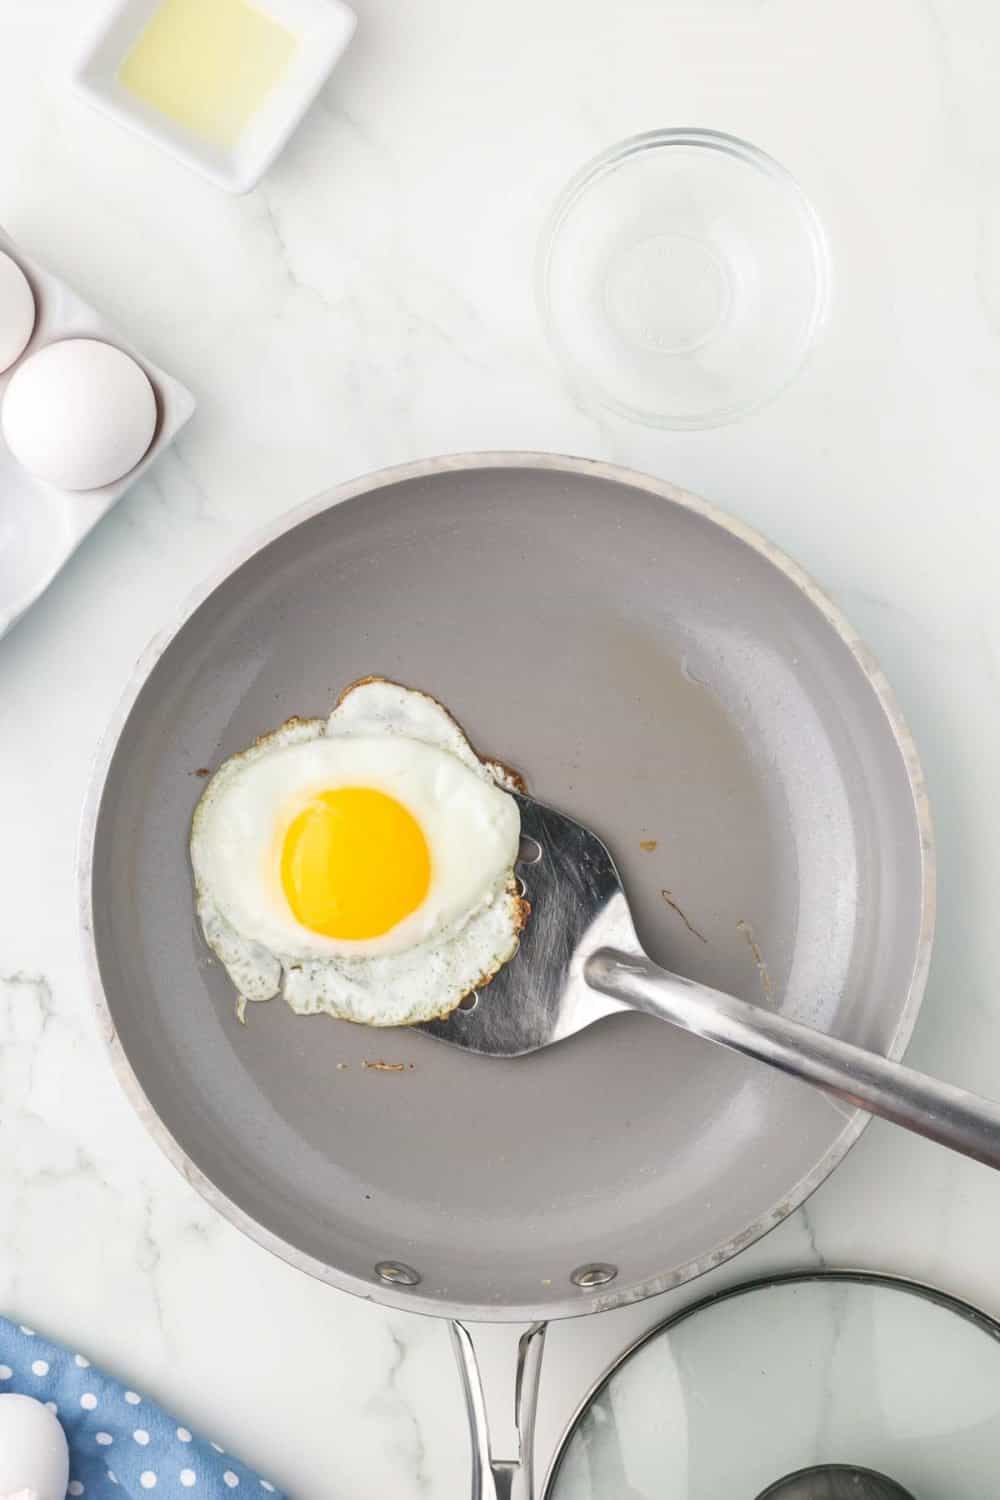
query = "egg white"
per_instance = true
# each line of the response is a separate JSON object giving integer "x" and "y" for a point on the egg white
{"x": 405, "y": 744}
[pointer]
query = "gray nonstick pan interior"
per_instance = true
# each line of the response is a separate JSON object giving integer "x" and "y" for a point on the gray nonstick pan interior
{"x": 656, "y": 671}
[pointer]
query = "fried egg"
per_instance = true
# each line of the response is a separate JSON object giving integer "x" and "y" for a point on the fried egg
{"x": 361, "y": 865}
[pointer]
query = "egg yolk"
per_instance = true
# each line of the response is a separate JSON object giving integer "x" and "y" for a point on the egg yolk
{"x": 354, "y": 863}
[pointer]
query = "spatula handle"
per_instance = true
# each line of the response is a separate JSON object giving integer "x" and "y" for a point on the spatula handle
{"x": 951, "y": 1116}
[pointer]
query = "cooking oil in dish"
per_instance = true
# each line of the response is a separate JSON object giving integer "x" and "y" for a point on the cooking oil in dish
{"x": 208, "y": 65}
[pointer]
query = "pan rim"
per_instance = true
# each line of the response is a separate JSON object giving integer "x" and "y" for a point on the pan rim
{"x": 582, "y": 1302}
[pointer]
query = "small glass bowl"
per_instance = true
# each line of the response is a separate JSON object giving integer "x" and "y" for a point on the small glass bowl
{"x": 682, "y": 278}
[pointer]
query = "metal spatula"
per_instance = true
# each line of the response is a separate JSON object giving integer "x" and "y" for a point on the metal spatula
{"x": 580, "y": 960}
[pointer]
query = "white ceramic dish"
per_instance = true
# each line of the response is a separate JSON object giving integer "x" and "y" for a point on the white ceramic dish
{"x": 41, "y": 526}
{"x": 324, "y": 27}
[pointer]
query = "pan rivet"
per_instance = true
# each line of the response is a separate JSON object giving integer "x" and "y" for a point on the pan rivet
{"x": 595, "y": 1275}
{"x": 469, "y": 1003}
{"x": 396, "y": 1273}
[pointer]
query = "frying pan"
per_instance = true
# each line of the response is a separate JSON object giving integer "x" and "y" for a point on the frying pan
{"x": 653, "y": 668}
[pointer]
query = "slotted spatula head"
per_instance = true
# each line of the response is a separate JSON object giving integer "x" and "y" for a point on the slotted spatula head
{"x": 577, "y": 905}
{"x": 580, "y": 928}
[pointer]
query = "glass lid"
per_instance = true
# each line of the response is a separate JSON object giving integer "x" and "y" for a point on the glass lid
{"x": 792, "y": 1388}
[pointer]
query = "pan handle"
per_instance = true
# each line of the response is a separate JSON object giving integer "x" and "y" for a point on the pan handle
{"x": 942, "y": 1112}
{"x": 502, "y": 1478}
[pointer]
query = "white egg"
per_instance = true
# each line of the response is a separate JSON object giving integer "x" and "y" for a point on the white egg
{"x": 17, "y": 311}
{"x": 79, "y": 413}
{"x": 363, "y": 865}
{"x": 33, "y": 1451}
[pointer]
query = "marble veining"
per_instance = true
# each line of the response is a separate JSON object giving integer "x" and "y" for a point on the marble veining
{"x": 372, "y": 303}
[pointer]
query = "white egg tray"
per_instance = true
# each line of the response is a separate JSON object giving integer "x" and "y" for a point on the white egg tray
{"x": 42, "y": 526}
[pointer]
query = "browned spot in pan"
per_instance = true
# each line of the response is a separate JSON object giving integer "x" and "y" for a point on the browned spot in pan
{"x": 758, "y": 958}
{"x": 668, "y": 898}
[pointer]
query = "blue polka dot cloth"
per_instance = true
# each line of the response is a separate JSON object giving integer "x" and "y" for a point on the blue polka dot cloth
{"x": 120, "y": 1444}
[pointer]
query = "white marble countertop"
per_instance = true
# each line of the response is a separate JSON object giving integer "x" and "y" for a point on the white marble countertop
{"x": 370, "y": 303}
